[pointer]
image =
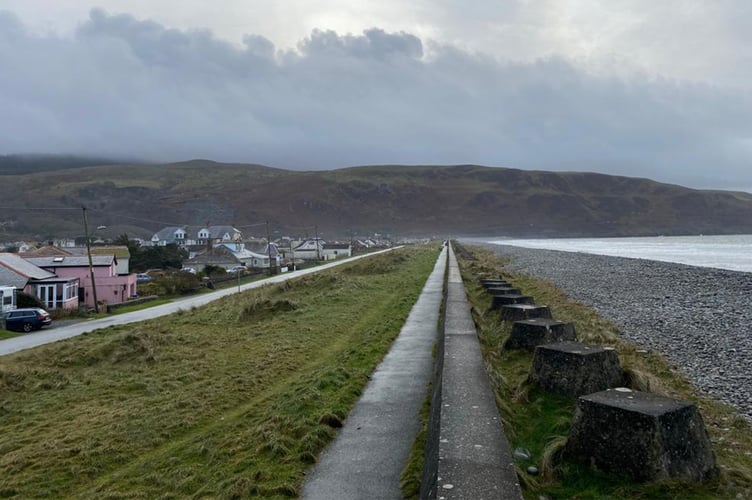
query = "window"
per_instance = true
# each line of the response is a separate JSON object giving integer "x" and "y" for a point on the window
{"x": 7, "y": 300}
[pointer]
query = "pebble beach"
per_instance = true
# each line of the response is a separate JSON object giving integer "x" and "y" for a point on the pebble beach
{"x": 699, "y": 318}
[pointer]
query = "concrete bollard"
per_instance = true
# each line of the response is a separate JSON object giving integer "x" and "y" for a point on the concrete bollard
{"x": 502, "y": 290}
{"x": 530, "y": 333}
{"x": 517, "y": 312}
{"x": 574, "y": 369}
{"x": 493, "y": 282}
{"x": 641, "y": 435}
{"x": 502, "y": 300}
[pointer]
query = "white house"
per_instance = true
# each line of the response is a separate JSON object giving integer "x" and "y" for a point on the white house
{"x": 192, "y": 235}
{"x": 331, "y": 251}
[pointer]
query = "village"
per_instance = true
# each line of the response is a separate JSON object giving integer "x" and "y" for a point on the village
{"x": 65, "y": 275}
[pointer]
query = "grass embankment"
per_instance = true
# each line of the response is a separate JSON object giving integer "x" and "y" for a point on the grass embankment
{"x": 234, "y": 399}
{"x": 539, "y": 422}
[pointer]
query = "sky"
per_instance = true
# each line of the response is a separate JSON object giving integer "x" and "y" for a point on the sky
{"x": 627, "y": 87}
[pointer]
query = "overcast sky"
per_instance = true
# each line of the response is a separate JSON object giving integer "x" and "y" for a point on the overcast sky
{"x": 659, "y": 89}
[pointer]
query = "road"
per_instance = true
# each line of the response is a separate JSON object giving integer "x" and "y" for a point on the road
{"x": 55, "y": 333}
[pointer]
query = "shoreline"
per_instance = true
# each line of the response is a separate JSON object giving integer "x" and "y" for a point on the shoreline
{"x": 699, "y": 318}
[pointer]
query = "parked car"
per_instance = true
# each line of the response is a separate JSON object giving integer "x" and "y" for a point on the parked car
{"x": 237, "y": 269}
{"x": 27, "y": 319}
{"x": 143, "y": 278}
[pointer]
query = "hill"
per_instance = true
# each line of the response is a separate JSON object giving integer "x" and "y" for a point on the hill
{"x": 394, "y": 199}
{"x": 24, "y": 164}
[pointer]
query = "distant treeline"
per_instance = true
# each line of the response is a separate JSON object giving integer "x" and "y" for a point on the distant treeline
{"x": 27, "y": 164}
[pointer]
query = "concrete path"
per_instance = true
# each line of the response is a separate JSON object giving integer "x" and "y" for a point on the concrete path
{"x": 56, "y": 333}
{"x": 367, "y": 456}
{"x": 475, "y": 461}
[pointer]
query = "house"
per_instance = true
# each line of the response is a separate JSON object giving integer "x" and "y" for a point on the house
{"x": 229, "y": 255}
{"x": 331, "y": 251}
{"x": 121, "y": 253}
{"x": 112, "y": 288}
{"x": 55, "y": 292}
{"x": 309, "y": 249}
{"x": 172, "y": 234}
{"x": 220, "y": 256}
{"x": 192, "y": 235}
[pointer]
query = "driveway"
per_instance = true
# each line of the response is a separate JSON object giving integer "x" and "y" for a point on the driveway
{"x": 56, "y": 332}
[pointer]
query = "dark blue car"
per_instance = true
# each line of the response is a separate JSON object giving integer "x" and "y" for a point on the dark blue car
{"x": 27, "y": 319}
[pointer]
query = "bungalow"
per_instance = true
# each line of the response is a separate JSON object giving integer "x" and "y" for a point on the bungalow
{"x": 53, "y": 291}
{"x": 112, "y": 288}
{"x": 220, "y": 256}
{"x": 228, "y": 255}
{"x": 331, "y": 251}
{"x": 310, "y": 249}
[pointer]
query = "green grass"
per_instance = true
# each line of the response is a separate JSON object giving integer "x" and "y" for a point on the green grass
{"x": 7, "y": 334}
{"x": 235, "y": 399}
{"x": 539, "y": 421}
{"x": 142, "y": 305}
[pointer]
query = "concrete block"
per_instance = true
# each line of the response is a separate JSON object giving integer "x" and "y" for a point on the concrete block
{"x": 517, "y": 312}
{"x": 502, "y": 300}
{"x": 493, "y": 282}
{"x": 574, "y": 369}
{"x": 641, "y": 435}
{"x": 502, "y": 290}
{"x": 530, "y": 333}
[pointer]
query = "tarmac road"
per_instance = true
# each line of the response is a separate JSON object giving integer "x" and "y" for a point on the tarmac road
{"x": 56, "y": 332}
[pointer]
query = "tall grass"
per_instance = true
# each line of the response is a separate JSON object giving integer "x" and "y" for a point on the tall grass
{"x": 234, "y": 399}
{"x": 539, "y": 422}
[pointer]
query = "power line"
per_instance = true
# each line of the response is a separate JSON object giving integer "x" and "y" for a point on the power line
{"x": 39, "y": 208}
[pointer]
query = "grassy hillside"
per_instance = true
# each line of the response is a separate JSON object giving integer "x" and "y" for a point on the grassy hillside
{"x": 404, "y": 200}
{"x": 231, "y": 400}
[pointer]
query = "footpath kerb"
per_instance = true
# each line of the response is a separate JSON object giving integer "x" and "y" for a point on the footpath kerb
{"x": 475, "y": 461}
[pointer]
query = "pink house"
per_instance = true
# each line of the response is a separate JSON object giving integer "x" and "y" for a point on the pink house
{"x": 112, "y": 288}
{"x": 53, "y": 291}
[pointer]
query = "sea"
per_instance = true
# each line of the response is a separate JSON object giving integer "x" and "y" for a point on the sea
{"x": 732, "y": 252}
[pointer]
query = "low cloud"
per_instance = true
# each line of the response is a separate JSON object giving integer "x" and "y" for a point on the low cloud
{"x": 134, "y": 88}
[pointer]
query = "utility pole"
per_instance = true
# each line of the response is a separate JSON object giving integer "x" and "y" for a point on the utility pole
{"x": 318, "y": 255}
{"x": 91, "y": 265}
{"x": 269, "y": 248}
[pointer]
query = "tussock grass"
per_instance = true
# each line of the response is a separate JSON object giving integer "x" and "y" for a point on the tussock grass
{"x": 539, "y": 421}
{"x": 231, "y": 400}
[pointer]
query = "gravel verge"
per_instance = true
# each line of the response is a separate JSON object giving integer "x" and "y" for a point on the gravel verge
{"x": 699, "y": 318}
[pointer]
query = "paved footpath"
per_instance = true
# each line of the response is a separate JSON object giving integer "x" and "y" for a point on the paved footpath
{"x": 56, "y": 333}
{"x": 367, "y": 456}
{"x": 475, "y": 461}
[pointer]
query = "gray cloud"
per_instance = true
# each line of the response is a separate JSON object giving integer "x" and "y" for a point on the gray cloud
{"x": 123, "y": 86}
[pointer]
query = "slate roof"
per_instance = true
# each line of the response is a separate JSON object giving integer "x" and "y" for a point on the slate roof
{"x": 73, "y": 261}
{"x": 16, "y": 271}
{"x": 45, "y": 251}
{"x": 168, "y": 233}
{"x": 11, "y": 278}
{"x": 216, "y": 232}
{"x": 191, "y": 232}
{"x": 119, "y": 251}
